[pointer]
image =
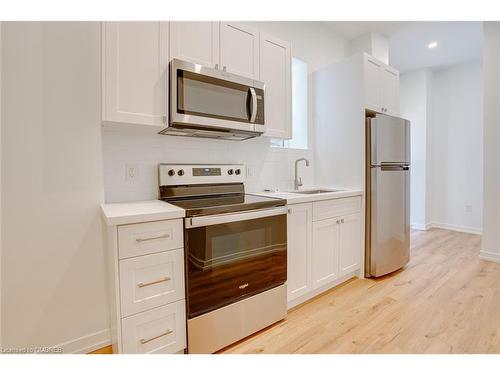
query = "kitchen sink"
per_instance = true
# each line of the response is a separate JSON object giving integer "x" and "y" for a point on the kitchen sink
{"x": 315, "y": 191}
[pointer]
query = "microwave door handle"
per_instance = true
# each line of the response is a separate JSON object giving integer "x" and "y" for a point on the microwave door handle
{"x": 253, "y": 115}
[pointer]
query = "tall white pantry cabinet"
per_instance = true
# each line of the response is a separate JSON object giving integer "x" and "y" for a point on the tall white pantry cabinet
{"x": 136, "y": 55}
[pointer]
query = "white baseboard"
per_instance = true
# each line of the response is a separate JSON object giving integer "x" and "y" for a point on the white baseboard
{"x": 456, "y": 228}
{"x": 492, "y": 257}
{"x": 420, "y": 226}
{"x": 86, "y": 344}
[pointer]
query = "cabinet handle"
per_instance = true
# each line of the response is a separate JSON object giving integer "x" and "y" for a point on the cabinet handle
{"x": 216, "y": 66}
{"x": 289, "y": 211}
{"x": 342, "y": 221}
{"x": 338, "y": 221}
{"x": 153, "y": 238}
{"x": 142, "y": 285}
{"x": 145, "y": 341}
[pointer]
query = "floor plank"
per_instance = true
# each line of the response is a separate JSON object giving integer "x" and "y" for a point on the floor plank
{"x": 446, "y": 300}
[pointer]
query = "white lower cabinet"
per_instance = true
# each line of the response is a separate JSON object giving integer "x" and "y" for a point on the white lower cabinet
{"x": 324, "y": 246}
{"x": 147, "y": 287}
{"x": 299, "y": 228}
{"x": 325, "y": 254}
{"x": 161, "y": 330}
{"x": 350, "y": 244}
{"x": 151, "y": 280}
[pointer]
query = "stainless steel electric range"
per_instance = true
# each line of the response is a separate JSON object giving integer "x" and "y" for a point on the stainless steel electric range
{"x": 235, "y": 253}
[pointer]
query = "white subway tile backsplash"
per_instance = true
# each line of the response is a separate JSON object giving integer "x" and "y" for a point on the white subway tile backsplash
{"x": 271, "y": 167}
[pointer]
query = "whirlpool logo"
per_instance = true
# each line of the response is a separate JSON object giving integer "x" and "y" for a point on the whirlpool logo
{"x": 243, "y": 286}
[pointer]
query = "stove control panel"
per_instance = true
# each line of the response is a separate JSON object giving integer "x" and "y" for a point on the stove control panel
{"x": 190, "y": 174}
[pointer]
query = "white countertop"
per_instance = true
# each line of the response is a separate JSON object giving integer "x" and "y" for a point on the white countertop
{"x": 292, "y": 197}
{"x": 139, "y": 212}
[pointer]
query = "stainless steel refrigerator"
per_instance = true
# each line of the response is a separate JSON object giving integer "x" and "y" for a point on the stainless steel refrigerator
{"x": 388, "y": 194}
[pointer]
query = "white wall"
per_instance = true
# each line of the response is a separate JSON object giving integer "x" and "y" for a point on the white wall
{"x": 0, "y": 184}
{"x": 457, "y": 147}
{"x": 271, "y": 167}
{"x": 446, "y": 110}
{"x": 490, "y": 247}
{"x": 414, "y": 93}
{"x": 53, "y": 284}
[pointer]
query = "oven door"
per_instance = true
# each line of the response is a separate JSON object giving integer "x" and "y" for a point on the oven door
{"x": 233, "y": 256}
{"x": 213, "y": 98}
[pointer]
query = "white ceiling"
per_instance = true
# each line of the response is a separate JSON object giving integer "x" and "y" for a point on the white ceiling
{"x": 353, "y": 29}
{"x": 457, "y": 41}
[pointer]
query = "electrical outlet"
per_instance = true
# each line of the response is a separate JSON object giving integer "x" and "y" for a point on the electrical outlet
{"x": 131, "y": 173}
{"x": 468, "y": 208}
{"x": 249, "y": 171}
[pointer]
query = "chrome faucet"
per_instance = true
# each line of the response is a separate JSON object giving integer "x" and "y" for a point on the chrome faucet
{"x": 297, "y": 182}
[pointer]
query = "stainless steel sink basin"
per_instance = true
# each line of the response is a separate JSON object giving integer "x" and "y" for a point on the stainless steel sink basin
{"x": 315, "y": 191}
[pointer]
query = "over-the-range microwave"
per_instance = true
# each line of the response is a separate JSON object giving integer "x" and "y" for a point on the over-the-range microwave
{"x": 212, "y": 103}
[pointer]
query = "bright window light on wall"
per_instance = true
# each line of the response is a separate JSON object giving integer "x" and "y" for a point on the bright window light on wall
{"x": 299, "y": 108}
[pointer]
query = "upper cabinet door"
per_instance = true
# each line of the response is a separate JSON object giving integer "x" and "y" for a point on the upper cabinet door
{"x": 135, "y": 72}
{"x": 239, "y": 49}
{"x": 275, "y": 72}
{"x": 372, "y": 84}
{"x": 197, "y": 42}
{"x": 390, "y": 90}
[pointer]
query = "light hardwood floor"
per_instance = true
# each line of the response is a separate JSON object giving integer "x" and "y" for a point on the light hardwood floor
{"x": 446, "y": 300}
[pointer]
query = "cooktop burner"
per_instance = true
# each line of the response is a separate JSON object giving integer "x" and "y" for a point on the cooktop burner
{"x": 219, "y": 204}
{"x": 209, "y": 189}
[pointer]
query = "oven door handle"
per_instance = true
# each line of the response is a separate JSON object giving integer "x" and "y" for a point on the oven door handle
{"x": 203, "y": 221}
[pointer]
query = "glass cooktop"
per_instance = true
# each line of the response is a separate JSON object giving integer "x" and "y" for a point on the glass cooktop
{"x": 219, "y": 204}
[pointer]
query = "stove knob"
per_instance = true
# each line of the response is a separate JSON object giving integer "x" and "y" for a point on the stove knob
{"x": 181, "y": 172}
{"x": 171, "y": 172}
{"x": 238, "y": 171}
{"x": 230, "y": 171}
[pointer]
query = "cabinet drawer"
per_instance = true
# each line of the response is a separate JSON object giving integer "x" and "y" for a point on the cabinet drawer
{"x": 151, "y": 281}
{"x": 335, "y": 207}
{"x": 148, "y": 238}
{"x": 161, "y": 330}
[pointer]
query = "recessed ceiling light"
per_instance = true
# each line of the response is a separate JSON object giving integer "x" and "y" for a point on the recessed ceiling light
{"x": 433, "y": 45}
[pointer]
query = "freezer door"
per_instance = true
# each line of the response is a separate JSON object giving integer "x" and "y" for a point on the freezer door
{"x": 390, "y": 219}
{"x": 390, "y": 140}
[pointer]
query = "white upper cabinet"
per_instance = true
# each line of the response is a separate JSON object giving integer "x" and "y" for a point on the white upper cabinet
{"x": 135, "y": 72}
{"x": 350, "y": 243}
{"x": 390, "y": 90}
{"x": 372, "y": 84}
{"x": 299, "y": 238}
{"x": 239, "y": 49}
{"x": 381, "y": 84}
{"x": 275, "y": 72}
{"x": 197, "y": 42}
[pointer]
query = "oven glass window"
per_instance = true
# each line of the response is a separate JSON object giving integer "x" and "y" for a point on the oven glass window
{"x": 231, "y": 261}
{"x": 201, "y": 95}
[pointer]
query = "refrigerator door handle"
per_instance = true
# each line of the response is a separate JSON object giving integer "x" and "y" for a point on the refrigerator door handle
{"x": 394, "y": 167}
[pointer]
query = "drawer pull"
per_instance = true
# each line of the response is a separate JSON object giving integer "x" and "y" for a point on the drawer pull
{"x": 153, "y": 238}
{"x": 145, "y": 341}
{"x": 141, "y": 285}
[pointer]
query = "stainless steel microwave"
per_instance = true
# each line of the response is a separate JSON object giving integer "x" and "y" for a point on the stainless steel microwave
{"x": 212, "y": 103}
